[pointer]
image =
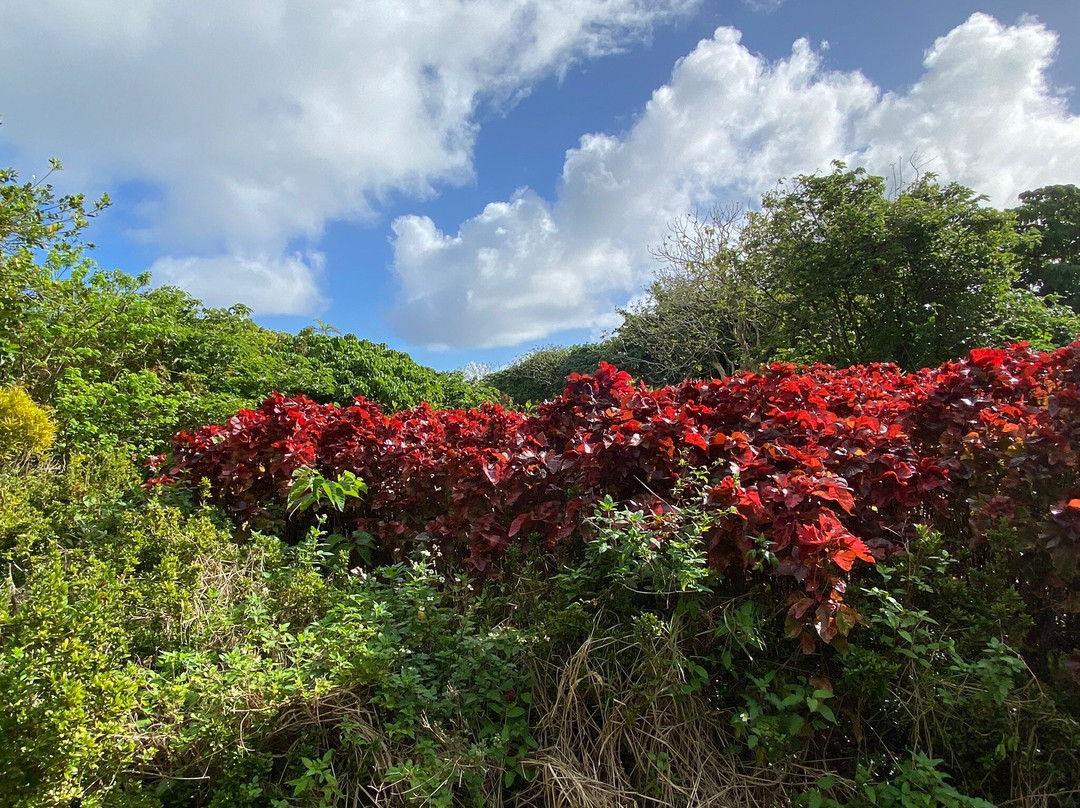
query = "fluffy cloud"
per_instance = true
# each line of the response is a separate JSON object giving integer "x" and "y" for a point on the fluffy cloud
{"x": 254, "y": 123}
{"x": 725, "y": 127}
{"x": 267, "y": 284}
{"x": 983, "y": 114}
{"x": 486, "y": 279}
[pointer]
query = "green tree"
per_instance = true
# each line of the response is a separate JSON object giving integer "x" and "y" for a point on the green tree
{"x": 39, "y": 237}
{"x": 350, "y": 367}
{"x": 834, "y": 269}
{"x": 1050, "y": 261}
{"x": 855, "y": 276}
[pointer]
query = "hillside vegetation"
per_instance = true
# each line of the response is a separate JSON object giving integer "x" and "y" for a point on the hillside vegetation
{"x": 347, "y": 580}
{"x": 125, "y": 364}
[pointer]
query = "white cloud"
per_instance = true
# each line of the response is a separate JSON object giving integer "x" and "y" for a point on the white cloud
{"x": 268, "y": 284}
{"x": 254, "y": 123}
{"x": 767, "y": 6}
{"x": 485, "y": 281}
{"x": 983, "y": 113}
{"x": 725, "y": 127}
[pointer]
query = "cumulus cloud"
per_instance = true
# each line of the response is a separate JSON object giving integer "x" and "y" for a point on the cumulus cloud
{"x": 254, "y": 123}
{"x": 725, "y": 127}
{"x": 983, "y": 113}
{"x": 265, "y": 283}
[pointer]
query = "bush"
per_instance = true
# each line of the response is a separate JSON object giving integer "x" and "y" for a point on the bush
{"x": 167, "y": 666}
{"x": 152, "y": 658}
{"x": 25, "y": 428}
{"x": 823, "y": 467}
{"x": 473, "y": 483}
{"x": 540, "y": 375}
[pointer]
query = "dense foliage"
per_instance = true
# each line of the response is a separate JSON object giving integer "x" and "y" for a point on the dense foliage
{"x": 1050, "y": 260}
{"x": 154, "y": 656}
{"x": 817, "y": 469}
{"x": 859, "y": 277}
{"x": 25, "y": 428}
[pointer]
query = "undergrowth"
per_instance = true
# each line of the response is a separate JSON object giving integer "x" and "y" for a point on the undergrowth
{"x": 151, "y": 657}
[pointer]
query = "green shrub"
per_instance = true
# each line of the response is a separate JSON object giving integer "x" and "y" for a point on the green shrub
{"x": 541, "y": 374}
{"x": 150, "y": 657}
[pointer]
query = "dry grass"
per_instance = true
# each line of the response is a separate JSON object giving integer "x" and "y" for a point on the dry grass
{"x": 617, "y": 729}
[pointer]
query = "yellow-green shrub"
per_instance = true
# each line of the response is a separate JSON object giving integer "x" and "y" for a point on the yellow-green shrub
{"x": 25, "y": 428}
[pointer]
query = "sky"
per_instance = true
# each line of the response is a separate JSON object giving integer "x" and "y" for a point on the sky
{"x": 469, "y": 179}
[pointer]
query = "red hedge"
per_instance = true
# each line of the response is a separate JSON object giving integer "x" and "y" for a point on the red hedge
{"x": 830, "y": 466}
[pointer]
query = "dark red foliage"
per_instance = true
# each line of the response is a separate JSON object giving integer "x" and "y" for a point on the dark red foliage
{"x": 826, "y": 467}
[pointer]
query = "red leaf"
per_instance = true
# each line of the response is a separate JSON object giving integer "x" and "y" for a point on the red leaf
{"x": 694, "y": 439}
{"x": 516, "y": 525}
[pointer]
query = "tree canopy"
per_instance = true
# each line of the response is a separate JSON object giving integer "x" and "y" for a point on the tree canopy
{"x": 849, "y": 275}
{"x": 1050, "y": 261}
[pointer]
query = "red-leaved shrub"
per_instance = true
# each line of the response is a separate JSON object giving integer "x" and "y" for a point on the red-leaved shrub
{"x": 828, "y": 466}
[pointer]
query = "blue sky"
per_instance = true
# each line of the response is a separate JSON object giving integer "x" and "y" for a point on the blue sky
{"x": 467, "y": 180}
